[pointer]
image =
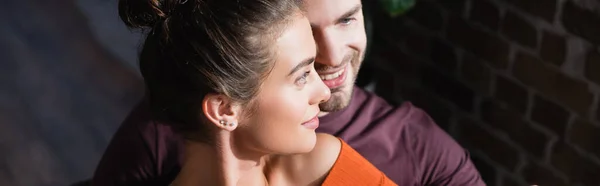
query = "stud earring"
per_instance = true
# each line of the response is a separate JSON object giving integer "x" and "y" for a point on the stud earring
{"x": 222, "y": 122}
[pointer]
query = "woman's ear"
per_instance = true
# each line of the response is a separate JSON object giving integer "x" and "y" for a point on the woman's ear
{"x": 221, "y": 111}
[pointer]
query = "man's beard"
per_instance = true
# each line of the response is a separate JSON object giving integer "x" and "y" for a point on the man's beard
{"x": 341, "y": 96}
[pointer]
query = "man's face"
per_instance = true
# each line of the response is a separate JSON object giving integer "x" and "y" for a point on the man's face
{"x": 339, "y": 32}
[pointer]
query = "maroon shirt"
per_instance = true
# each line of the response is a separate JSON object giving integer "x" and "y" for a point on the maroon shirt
{"x": 403, "y": 142}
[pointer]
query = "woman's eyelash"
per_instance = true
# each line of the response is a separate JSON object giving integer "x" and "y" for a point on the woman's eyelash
{"x": 303, "y": 77}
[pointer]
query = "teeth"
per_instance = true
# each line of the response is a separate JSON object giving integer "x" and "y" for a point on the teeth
{"x": 332, "y": 76}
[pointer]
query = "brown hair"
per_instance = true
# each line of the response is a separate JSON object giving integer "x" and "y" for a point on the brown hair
{"x": 196, "y": 47}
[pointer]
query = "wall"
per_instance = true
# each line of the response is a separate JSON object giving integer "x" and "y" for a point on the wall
{"x": 515, "y": 81}
{"x": 62, "y": 92}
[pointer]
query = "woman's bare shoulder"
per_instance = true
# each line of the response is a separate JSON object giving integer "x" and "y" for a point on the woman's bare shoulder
{"x": 326, "y": 150}
{"x": 325, "y": 153}
{"x": 312, "y": 168}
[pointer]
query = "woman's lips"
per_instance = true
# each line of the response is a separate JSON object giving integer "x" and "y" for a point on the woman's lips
{"x": 312, "y": 123}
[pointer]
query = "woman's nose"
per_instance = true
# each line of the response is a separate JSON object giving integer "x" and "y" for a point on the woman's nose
{"x": 325, "y": 92}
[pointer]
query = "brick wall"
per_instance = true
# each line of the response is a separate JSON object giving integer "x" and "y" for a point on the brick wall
{"x": 517, "y": 82}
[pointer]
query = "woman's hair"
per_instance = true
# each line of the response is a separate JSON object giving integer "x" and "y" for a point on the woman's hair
{"x": 197, "y": 47}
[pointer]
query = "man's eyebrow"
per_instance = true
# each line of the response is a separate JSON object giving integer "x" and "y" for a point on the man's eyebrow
{"x": 304, "y": 63}
{"x": 350, "y": 12}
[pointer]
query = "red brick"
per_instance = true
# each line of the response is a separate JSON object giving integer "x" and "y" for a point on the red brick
{"x": 393, "y": 60}
{"x": 511, "y": 93}
{"x": 448, "y": 88}
{"x": 579, "y": 169}
{"x": 427, "y": 14}
{"x": 455, "y": 6}
{"x": 476, "y": 74}
{"x": 475, "y": 137}
{"x": 418, "y": 42}
{"x": 581, "y": 22}
{"x": 550, "y": 115}
{"x": 536, "y": 174}
{"x": 592, "y": 67}
{"x": 554, "y": 48}
{"x": 484, "y": 45}
{"x": 513, "y": 124}
{"x": 598, "y": 112}
{"x": 367, "y": 74}
{"x": 586, "y": 136}
{"x": 485, "y": 13}
{"x": 549, "y": 81}
{"x": 444, "y": 56}
{"x": 510, "y": 181}
{"x": 405, "y": 92}
{"x": 388, "y": 31}
{"x": 488, "y": 172}
{"x": 519, "y": 30}
{"x": 544, "y": 9}
{"x": 386, "y": 86}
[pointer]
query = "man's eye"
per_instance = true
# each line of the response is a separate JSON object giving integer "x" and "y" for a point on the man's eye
{"x": 347, "y": 21}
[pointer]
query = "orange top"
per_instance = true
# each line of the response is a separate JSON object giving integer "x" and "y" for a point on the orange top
{"x": 352, "y": 169}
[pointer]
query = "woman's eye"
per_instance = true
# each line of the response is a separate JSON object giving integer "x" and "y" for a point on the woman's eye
{"x": 303, "y": 79}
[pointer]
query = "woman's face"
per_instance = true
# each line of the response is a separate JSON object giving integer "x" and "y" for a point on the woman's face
{"x": 287, "y": 105}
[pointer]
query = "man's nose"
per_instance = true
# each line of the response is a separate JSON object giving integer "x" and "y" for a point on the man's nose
{"x": 329, "y": 49}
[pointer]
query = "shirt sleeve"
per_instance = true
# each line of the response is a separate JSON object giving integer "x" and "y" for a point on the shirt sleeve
{"x": 352, "y": 169}
{"x": 129, "y": 157}
{"x": 440, "y": 159}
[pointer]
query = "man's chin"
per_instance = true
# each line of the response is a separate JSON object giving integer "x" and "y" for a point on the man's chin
{"x": 333, "y": 105}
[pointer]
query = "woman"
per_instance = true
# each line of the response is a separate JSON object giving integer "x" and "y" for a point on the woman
{"x": 236, "y": 79}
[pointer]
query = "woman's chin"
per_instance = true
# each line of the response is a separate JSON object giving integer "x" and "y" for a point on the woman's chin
{"x": 304, "y": 145}
{"x": 309, "y": 143}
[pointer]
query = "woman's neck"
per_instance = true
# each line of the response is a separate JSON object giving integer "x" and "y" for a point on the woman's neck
{"x": 220, "y": 164}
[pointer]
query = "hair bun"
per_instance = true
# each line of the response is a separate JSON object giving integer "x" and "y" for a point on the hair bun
{"x": 141, "y": 13}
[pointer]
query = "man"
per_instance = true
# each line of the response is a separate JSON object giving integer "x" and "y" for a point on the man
{"x": 402, "y": 141}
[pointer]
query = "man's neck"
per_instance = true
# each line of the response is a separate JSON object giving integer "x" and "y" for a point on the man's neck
{"x": 208, "y": 164}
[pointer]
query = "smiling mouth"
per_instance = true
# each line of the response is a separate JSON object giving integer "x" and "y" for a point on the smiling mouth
{"x": 335, "y": 79}
{"x": 333, "y": 75}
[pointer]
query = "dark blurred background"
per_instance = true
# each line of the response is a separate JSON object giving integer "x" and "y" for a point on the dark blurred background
{"x": 67, "y": 79}
{"x": 514, "y": 81}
